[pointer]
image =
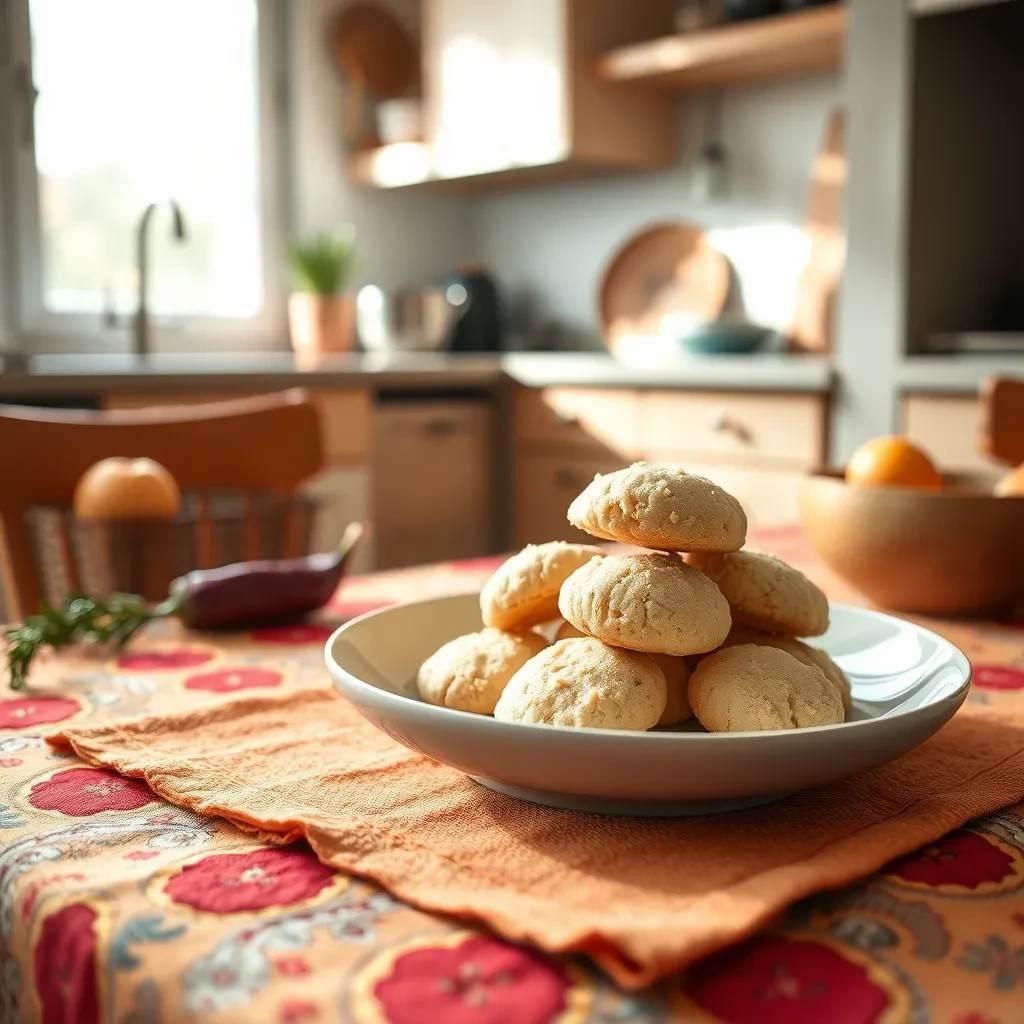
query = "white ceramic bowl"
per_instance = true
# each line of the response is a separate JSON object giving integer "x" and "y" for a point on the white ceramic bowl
{"x": 907, "y": 682}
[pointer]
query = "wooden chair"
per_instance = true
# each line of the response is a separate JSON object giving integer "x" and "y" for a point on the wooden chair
{"x": 1002, "y": 426}
{"x": 252, "y": 447}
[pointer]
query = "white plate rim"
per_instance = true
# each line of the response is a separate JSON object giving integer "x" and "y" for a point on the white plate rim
{"x": 388, "y": 701}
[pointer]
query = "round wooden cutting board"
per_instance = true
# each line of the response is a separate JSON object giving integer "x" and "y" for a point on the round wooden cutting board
{"x": 666, "y": 270}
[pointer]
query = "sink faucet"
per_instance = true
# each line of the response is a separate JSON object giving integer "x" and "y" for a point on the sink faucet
{"x": 142, "y": 326}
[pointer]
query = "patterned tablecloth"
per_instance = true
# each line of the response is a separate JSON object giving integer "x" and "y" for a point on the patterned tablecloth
{"x": 115, "y": 906}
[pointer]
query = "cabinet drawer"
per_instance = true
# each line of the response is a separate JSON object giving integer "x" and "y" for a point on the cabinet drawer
{"x": 345, "y": 420}
{"x": 948, "y": 427}
{"x": 433, "y": 482}
{"x": 599, "y": 422}
{"x": 544, "y": 487}
{"x": 784, "y": 429}
{"x": 343, "y": 496}
{"x": 768, "y": 496}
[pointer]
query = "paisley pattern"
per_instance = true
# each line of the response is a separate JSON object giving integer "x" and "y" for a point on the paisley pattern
{"x": 115, "y": 906}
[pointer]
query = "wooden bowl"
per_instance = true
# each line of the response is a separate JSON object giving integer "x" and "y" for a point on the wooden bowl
{"x": 957, "y": 552}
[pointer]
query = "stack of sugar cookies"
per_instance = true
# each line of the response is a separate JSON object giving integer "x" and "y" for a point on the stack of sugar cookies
{"x": 695, "y": 626}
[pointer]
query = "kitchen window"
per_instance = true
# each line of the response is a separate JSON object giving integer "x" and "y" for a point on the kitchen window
{"x": 118, "y": 104}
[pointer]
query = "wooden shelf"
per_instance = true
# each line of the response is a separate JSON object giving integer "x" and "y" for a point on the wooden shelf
{"x": 786, "y": 45}
{"x": 410, "y": 165}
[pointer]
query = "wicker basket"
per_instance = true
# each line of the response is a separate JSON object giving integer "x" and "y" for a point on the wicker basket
{"x": 143, "y": 556}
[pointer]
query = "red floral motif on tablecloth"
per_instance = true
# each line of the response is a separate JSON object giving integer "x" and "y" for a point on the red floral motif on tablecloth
{"x": 294, "y": 1011}
{"x": 23, "y": 712}
{"x": 65, "y": 967}
{"x": 773, "y": 979}
{"x": 227, "y": 680}
{"x": 998, "y": 677}
{"x": 962, "y": 858}
{"x": 306, "y": 633}
{"x": 292, "y": 966}
{"x": 351, "y": 609}
{"x": 227, "y": 883}
{"x": 79, "y": 792}
{"x": 166, "y": 660}
{"x": 478, "y": 981}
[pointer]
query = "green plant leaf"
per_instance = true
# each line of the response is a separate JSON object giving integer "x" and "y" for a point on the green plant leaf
{"x": 324, "y": 263}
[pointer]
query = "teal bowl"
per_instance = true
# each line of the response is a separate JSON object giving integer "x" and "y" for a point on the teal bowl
{"x": 724, "y": 339}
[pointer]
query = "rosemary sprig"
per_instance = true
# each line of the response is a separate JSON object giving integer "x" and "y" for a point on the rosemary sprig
{"x": 80, "y": 619}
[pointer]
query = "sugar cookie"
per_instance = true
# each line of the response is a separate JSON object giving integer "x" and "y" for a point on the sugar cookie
{"x": 524, "y": 590}
{"x": 653, "y": 602}
{"x": 802, "y": 652}
{"x": 470, "y": 672}
{"x": 584, "y": 683}
{"x": 662, "y": 508}
{"x": 752, "y": 687}
{"x": 766, "y": 593}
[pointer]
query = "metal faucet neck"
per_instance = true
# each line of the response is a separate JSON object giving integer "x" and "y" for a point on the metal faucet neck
{"x": 143, "y": 339}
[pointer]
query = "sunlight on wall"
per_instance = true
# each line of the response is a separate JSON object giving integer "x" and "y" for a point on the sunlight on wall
{"x": 767, "y": 259}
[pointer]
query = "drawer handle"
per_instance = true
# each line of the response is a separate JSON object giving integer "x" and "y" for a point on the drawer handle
{"x": 441, "y": 428}
{"x": 725, "y": 424}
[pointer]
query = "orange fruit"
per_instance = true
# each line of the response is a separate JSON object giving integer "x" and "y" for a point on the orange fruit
{"x": 1012, "y": 485}
{"x": 892, "y": 462}
{"x": 127, "y": 489}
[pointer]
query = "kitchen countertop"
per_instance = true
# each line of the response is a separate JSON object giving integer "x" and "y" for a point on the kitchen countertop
{"x": 82, "y": 375}
{"x": 955, "y": 374}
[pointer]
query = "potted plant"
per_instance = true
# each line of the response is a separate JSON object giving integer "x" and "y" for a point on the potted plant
{"x": 321, "y": 318}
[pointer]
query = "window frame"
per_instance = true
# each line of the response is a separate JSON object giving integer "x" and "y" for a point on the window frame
{"x": 36, "y": 330}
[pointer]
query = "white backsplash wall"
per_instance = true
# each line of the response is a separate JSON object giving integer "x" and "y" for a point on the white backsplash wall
{"x": 550, "y": 245}
{"x": 405, "y": 237}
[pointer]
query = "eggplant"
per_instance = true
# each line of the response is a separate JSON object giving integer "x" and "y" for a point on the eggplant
{"x": 256, "y": 593}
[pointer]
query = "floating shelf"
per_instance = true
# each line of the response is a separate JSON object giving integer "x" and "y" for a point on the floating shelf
{"x": 411, "y": 165}
{"x": 785, "y": 45}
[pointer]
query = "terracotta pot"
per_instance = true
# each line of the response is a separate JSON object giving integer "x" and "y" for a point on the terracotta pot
{"x": 957, "y": 552}
{"x": 321, "y": 323}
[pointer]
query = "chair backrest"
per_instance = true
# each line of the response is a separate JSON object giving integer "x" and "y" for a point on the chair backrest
{"x": 252, "y": 446}
{"x": 1002, "y": 426}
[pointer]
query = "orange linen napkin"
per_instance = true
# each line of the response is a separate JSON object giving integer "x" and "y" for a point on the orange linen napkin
{"x": 643, "y": 897}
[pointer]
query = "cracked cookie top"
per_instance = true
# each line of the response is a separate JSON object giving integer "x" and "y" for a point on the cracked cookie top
{"x": 660, "y": 507}
{"x": 756, "y": 688}
{"x": 652, "y": 602}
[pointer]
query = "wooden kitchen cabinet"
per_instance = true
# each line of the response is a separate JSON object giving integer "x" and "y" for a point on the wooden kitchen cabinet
{"x": 434, "y": 481}
{"x": 948, "y": 427}
{"x": 779, "y": 429}
{"x": 510, "y": 95}
{"x": 544, "y": 486}
{"x": 593, "y": 421}
{"x": 343, "y": 495}
{"x": 756, "y": 445}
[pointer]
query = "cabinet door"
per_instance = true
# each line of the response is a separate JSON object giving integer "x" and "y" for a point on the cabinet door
{"x": 343, "y": 496}
{"x": 496, "y": 84}
{"x": 948, "y": 427}
{"x": 433, "y": 482}
{"x": 768, "y": 496}
{"x": 597, "y": 422}
{"x": 544, "y": 487}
